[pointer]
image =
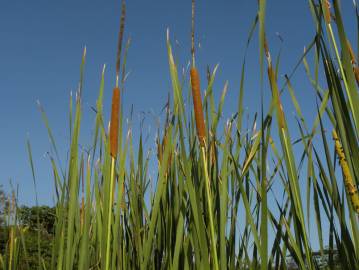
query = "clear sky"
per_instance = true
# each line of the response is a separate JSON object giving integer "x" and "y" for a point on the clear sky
{"x": 41, "y": 43}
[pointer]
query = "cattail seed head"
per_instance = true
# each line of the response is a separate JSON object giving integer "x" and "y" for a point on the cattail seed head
{"x": 350, "y": 186}
{"x": 197, "y": 104}
{"x": 114, "y": 122}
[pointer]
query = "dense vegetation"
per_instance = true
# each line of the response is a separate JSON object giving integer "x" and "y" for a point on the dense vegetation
{"x": 35, "y": 223}
{"x": 225, "y": 196}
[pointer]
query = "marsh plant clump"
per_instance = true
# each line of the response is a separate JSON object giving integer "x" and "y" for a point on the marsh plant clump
{"x": 224, "y": 197}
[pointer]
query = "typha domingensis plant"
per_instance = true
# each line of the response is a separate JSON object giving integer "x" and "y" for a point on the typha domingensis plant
{"x": 196, "y": 90}
{"x": 114, "y": 128}
{"x": 201, "y": 133}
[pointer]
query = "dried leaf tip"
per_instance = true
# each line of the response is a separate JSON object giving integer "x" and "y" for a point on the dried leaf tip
{"x": 114, "y": 122}
{"x": 351, "y": 53}
{"x": 353, "y": 61}
{"x": 275, "y": 93}
{"x": 197, "y": 104}
{"x": 266, "y": 48}
{"x": 326, "y": 9}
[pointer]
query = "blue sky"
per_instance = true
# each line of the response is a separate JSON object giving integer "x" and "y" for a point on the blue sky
{"x": 41, "y": 43}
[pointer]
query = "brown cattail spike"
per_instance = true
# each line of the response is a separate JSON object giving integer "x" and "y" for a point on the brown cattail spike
{"x": 114, "y": 122}
{"x": 197, "y": 103}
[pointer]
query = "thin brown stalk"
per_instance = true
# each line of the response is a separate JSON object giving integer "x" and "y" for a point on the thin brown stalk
{"x": 120, "y": 37}
{"x": 192, "y": 35}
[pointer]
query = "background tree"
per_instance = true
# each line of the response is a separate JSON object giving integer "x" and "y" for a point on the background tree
{"x": 4, "y": 205}
{"x": 27, "y": 216}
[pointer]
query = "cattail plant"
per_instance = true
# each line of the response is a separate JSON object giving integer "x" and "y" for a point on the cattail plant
{"x": 114, "y": 128}
{"x": 198, "y": 110}
{"x": 196, "y": 90}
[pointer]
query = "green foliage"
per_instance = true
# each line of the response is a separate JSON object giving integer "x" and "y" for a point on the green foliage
{"x": 4, "y": 205}
{"x": 31, "y": 258}
{"x": 27, "y": 216}
{"x": 28, "y": 232}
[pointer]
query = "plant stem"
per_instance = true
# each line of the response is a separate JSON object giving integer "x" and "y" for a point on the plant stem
{"x": 209, "y": 202}
{"x": 110, "y": 214}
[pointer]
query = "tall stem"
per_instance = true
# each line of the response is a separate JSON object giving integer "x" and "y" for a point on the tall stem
{"x": 209, "y": 203}
{"x": 110, "y": 214}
